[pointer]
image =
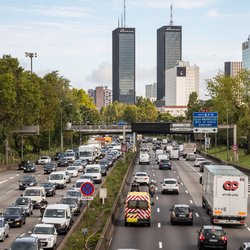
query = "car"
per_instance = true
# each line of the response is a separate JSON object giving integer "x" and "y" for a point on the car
{"x": 165, "y": 164}
{"x": 181, "y": 213}
{"x": 4, "y": 229}
{"x": 58, "y": 155}
{"x": 144, "y": 158}
{"x": 245, "y": 246}
{"x": 27, "y": 243}
{"x": 73, "y": 170}
{"x": 21, "y": 165}
{"x": 86, "y": 178}
{"x": 36, "y": 194}
{"x": 212, "y": 236}
{"x": 70, "y": 156}
{"x": 62, "y": 162}
{"x": 27, "y": 181}
{"x": 104, "y": 161}
{"x": 204, "y": 163}
{"x": 73, "y": 202}
{"x": 15, "y": 216}
{"x": 141, "y": 178}
{"x": 68, "y": 177}
{"x": 78, "y": 164}
{"x": 26, "y": 203}
{"x": 163, "y": 156}
{"x": 50, "y": 167}
{"x": 50, "y": 188}
{"x": 43, "y": 160}
{"x": 198, "y": 160}
{"x": 104, "y": 169}
{"x": 47, "y": 235}
{"x": 29, "y": 167}
{"x": 190, "y": 157}
{"x": 170, "y": 185}
{"x": 74, "y": 193}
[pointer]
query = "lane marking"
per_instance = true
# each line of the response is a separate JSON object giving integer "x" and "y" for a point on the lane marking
{"x": 22, "y": 235}
{"x": 12, "y": 177}
{"x": 178, "y": 177}
{"x": 174, "y": 172}
{"x": 11, "y": 190}
{"x": 159, "y": 225}
{"x": 191, "y": 201}
{"x": 17, "y": 174}
{"x": 193, "y": 168}
{"x": 160, "y": 244}
{"x": 186, "y": 191}
{"x": 158, "y": 210}
{"x": 197, "y": 215}
{"x": 157, "y": 197}
{"x": 153, "y": 174}
{"x": 248, "y": 228}
{"x": 182, "y": 183}
{"x": 3, "y": 181}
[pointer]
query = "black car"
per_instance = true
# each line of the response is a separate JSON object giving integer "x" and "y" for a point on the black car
{"x": 165, "y": 164}
{"x": 27, "y": 181}
{"x": 73, "y": 202}
{"x": 104, "y": 169}
{"x": 29, "y": 168}
{"x": 15, "y": 216}
{"x": 50, "y": 188}
{"x": 58, "y": 155}
{"x": 104, "y": 162}
{"x": 204, "y": 163}
{"x": 212, "y": 237}
{"x": 27, "y": 243}
{"x": 62, "y": 162}
{"x": 21, "y": 165}
{"x": 181, "y": 213}
{"x": 50, "y": 167}
{"x": 26, "y": 203}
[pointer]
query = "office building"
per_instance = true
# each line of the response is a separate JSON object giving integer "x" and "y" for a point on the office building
{"x": 102, "y": 96}
{"x": 169, "y": 52}
{"x": 232, "y": 68}
{"x": 123, "y": 65}
{"x": 150, "y": 90}
{"x": 183, "y": 79}
{"x": 246, "y": 54}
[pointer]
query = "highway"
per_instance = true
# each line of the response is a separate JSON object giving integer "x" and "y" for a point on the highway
{"x": 9, "y": 191}
{"x": 161, "y": 234}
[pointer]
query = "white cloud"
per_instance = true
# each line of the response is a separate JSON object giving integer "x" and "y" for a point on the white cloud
{"x": 213, "y": 13}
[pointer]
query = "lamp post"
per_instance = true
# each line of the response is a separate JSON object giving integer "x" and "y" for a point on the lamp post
{"x": 227, "y": 135}
{"x": 31, "y": 55}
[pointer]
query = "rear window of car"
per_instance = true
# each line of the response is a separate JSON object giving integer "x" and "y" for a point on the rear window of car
{"x": 141, "y": 174}
{"x": 170, "y": 182}
{"x": 213, "y": 232}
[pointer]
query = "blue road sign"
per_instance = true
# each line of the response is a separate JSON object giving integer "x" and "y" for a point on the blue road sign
{"x": 205, "y": 122}
{"x": 87, "y": 189}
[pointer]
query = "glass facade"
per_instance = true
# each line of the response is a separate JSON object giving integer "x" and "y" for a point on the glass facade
{"x": 123, "y": 65}
{"x": 169, "y": 52}
{"x": 246, "y": 54}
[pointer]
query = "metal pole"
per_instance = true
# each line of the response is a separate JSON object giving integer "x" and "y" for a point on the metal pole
{"x": 31, "y": 66}
{"x": 227, "y": 138}
{"x": 22, "y": 147}
{"x": 61, "y": 132}
{"x": 205, "y": 142}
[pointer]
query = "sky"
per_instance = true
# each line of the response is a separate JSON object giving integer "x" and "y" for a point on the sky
{"x": 75, "y": 37}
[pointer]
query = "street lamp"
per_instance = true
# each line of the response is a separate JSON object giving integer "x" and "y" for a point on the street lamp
{"x": 31, "y": 55}
{"x": 62, "y": 124}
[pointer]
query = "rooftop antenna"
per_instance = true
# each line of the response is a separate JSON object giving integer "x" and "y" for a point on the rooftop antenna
{"x": 118, "y": 22}
{"x": 124, "y": 15}
{"x": 121, "y": 21}
{"x": 171, "y": 15}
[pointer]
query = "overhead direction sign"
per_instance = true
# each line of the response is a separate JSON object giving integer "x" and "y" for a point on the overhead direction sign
{"x": 205, "y": 122}
{"x": 87, "y": 189}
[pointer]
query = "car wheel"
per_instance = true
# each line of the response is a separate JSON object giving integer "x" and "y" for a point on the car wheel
{"x": 24, "y": 221}
{"x": 3, "y": 238}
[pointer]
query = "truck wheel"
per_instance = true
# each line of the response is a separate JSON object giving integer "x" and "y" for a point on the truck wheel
{"x": 207, "y": 211}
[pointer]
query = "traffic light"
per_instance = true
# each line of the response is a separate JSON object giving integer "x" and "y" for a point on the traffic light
{"x": 205, "y": 110}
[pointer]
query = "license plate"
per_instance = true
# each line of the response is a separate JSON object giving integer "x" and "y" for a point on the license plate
{"x": 170, "y": 189}
{"x": 213, "y": 240}
{"x": 182, "y": 215}
{"x": 132, "y": 220}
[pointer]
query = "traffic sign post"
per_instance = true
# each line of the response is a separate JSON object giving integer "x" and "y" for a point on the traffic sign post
{"x": 205, "y": 122}
{"x": 235, "y": 147}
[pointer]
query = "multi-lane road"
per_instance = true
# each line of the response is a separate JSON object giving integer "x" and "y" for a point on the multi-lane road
{"x": 163, "y": 235}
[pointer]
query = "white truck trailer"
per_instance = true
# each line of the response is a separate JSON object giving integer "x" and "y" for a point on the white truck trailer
{"x": 88, "y": 152}
{"x": 225, "y": 194}
{"x": 189, "y": 147}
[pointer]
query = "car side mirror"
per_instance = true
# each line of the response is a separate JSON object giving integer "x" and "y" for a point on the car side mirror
{"x": 201, "y": 180}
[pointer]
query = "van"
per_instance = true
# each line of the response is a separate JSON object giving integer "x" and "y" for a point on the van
{"x": 144, "y": 158}
{"x": 58, "y": 178}
{"x": 138, "y": 208}
{"x": 36, "y": 195}
{"x": 58, "y": 215}
{"x": 95, "y": 171}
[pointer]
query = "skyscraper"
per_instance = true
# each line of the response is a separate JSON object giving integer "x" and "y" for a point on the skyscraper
{"x": 169, "y": 52}
{"x": 150, "y": 91}
{"x": 232, "y": 68}
{"x": 123, "y": 65}
{"x": 246, "y": 54}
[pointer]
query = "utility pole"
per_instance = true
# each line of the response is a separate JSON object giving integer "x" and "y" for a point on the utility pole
{"x": 31, "y": 55}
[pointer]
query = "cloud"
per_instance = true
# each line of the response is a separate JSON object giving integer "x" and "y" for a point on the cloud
{"x": 101, "y": 75}
{"x": 213, "y": 13}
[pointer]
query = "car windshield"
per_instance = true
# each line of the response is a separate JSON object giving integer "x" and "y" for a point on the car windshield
{"x": 27, "y": 178}
{"x": 142, "y": 174}
{"x": 73, "y": 193}
{"x": 44, "y": 158}
{"x": 54, "y": 213}
{"x": 12, "y": 211}
{"x": 170, "y": 182}
{"x": 86, "y": 177}
{"x": 92, "y": 170}
{"x": 56, "y": 177}
{"x": 67, "y": 201}
{"x": 47, "y": 184}
{"x": 43, "y": 230}
{"x": 23, "y": 246}
{"x": 213, "y": 232}
{"x": 32, "y": 192}
{"x": 136, "y": 204}
{"x": 78, "y": 184}
{"x": 21, "y": 201}
{"x": 86, "y": 153}
{"x": 77, "y": 163}
{"x": 182, "y": 210}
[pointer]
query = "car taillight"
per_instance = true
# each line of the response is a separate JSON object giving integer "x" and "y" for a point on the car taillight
{"x": 202, "y": 237}
{"x": 190, "y": 215}
{"x": 224, "y": 238}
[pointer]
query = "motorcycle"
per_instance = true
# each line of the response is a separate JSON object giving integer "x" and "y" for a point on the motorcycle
{"x": 135, "y": 187}
{"x": 42, "y": 208}
{"x": 152, "y": 190}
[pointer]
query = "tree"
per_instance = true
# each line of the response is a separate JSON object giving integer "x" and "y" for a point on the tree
{"x": 193, "y": 105}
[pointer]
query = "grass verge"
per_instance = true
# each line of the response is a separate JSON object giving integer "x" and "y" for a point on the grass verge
{"x": 97, "y": 214}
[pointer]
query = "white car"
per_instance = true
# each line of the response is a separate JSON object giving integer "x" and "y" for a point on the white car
{"x": 141, "y": 178}
{"x": 4, "y": 229}
{"x": 78, "y": 164}
{"x": 44, "y": 159}
{"x": 46, "y": 233}
{"x": 197, "y": 161}
{"x": 170, "y": 185}
{"x": 73, "y": 170}
{"x": 162, "y": 157}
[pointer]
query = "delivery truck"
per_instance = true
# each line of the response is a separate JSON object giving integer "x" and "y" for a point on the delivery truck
{"x": 225, "y": 194}
{"x": 189, "y": 147}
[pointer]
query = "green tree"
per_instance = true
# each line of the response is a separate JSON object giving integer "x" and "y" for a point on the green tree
{"x": 193, "y": 105}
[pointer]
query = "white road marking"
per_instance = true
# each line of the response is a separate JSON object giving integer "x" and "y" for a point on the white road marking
{"x": 186, "y": 191}
{"x": 174, "y": 172}
{"x": 197, "y": 215}
{"x": 157, "y": 197}
{"x": 193, "y": 168}
{"x": 12, "y": 177}
{"x": 17, "y": 174}
{"x": 22, "y": 235}
{"x": 11, "y": 190}
{"x": 248, "y": 228}
{"x": 160, "y": 244}
{"x": 39, "y": 175}
{"x": 178, "y": 177}
{"x": 158, "y": 210}
{"x": 153, "y": 174}
{"x": 159, "y": 225}
{"x": 181, "y": 183}
{"x": 3, "y": 181}
{"x": 152, "y": 166}
{"x": 191, "y": 201}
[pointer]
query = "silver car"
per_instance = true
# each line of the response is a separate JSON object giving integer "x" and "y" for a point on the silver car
{"x": 4, "y": 229}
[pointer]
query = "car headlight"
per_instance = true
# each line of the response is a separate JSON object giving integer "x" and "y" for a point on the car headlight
{"x": 17, "y": 219}
{"x": 63, "y": 224}
{"x": 51, "y": 190}
{"x": 32, "y": 184}
{"x": 50, "y": 238}
{"x": 21, "y": 184}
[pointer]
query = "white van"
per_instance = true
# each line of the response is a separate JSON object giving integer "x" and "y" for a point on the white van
{"x": 36, "y": 194}
{"x": 58, "y": 178}
{"x": 58, "y": 215}
{"x": 95, "y": 171}
{"x": 144, "y": 158}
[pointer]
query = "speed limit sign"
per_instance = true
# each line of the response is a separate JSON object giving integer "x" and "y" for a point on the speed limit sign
{"x": 235, "y": 147}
